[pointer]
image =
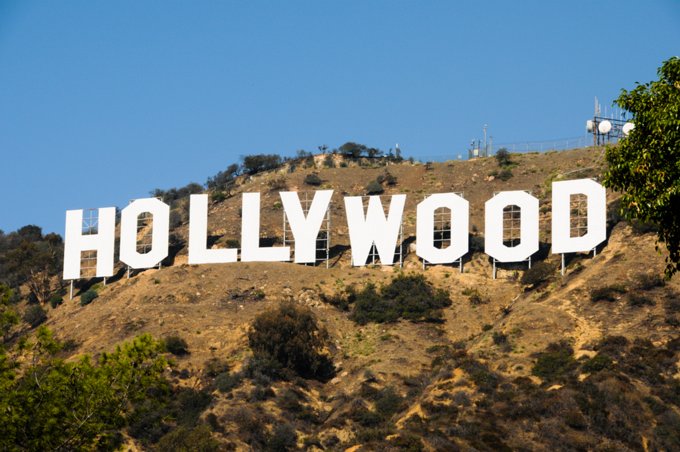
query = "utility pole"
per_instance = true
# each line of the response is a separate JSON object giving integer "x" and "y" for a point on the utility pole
{"x": 486, "y": 150}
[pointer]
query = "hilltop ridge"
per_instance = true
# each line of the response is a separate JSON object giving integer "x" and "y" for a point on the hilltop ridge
{"x": 516, "y": 362}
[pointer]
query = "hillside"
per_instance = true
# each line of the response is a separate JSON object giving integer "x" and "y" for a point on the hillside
{"x": 583, "y": 361}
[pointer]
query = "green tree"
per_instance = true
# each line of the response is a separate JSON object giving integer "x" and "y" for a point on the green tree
{"x": 8, "y": 316}
{"x": 646, "y": 164}
{"x": 51, "y": 404}
{"x": 352, "y": 150}
{"x": 503, "y": 157}
{"x": 290, "y": 335}
{"x": 253, "y": 164}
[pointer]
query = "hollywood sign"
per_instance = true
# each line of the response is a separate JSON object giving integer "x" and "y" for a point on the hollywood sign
{"x": 367, "y": 228}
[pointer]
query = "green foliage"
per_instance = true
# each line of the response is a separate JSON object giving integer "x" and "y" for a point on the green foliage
{"x": 161, "y": 410}
{"x": 387, "y": 178}
{"x": 88, "y": 297}
{"x": 8, "y": 316}
{"x": 224, "y": 181}
{"x": 503, "y": 157}
{"x": 504, "y": 174}
{"x": 646, "y": 164}
{"x": 172, "y": 195}
{"x": 538, "y": 274}
{"x": 290, "y": 336}
{"x": 313, "y": 179}
{"x": 185, "y": 439}
{"x": 176, "y": 345}
{"x": 283, "y": 438}
{"x": 409, "y": 297}
{"x": 607, "y": 293}
{"x": 35, "y": 315}
{"x": 27, "y": 257}
{"x": 328, "y": 161}
{"x": 56, "y": 300}
{"x": 374, "y": 188}
{"x": 352, "y": 150}
{"x": 388, "y": 402}
{"x": 637, "y": 299}
{"x": 649, "y": 281}
{"x": 226, "y": 381}
{"x": 277, "y": 183}
{"x": 56, "y": 405}
{"x": 475, "y": 297}
{"x": 555, "y": 362}
{"x": 597, "y": 363}
{"x": 253, "y": 164}
{"x": 218, "y": 196}
{"x": 500, "y": 339}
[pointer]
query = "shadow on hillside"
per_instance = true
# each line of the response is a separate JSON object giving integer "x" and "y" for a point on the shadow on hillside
{"x": 336, "y": 253}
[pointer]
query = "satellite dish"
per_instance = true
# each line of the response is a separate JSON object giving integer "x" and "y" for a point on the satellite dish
{"x": 627, "y": 128}
{"x": 604, "y": 127}
{"x": 589, "y": 125}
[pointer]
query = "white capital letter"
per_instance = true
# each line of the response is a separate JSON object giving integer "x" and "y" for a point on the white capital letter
{"x": 562, "y": 242}
{"x": 305, "y": 230}
{"x": 250, "y": 234}
{"x": 159, "y": 234}
{"x": 198, "y": 235}
{"x": 77, "y": 242}
{"x": 493, "y": 226}
{"x": 364, "y": 231}
{"x": 459, "y": 228}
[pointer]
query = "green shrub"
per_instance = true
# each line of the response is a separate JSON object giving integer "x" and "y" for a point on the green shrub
{"x": 538, "y": 274}
{"x": 35, "y": 315}
{"x": 290, "y": 336}
{"x": 500, "y": 338}
{"x": 504, "y": 174}
{"x": 648, "y": 281}
{"x": 607, "y": 293}
{"x": 283, "y": 438}
{"x": 328, "y": 161}
{"x": 475, "y": 297}
{"x": 176, "y": 345}
{"x": 407, "y": 441}
{"x": 636, "y": 299}
{"x": 597, "y": 363}
{"x": 88, "y": 297}
{"x": 503, "y": 157}
{"x": 56, "y": 300}
{"x": 253, "y": 164}
{"x": 409, "y": 297}
{"x": 226, "y": 381}
{"x": 190, "y": 404}
{"x": 555, "y": 362}
{"x": 313, "y": 179}
{"x": 387, "y": 178}
{"x": 289, "y": 400}
{"x": 214, "y": 367}
{"x": 388, "y": 402}
{"x": 277, "y": 183}
{"x": 185, "y": 439}
{"x": 374, "y": 188}
{"x": 218, "y": 196}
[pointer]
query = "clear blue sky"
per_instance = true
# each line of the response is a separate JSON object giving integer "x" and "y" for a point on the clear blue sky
{"x": 100, "y": 102}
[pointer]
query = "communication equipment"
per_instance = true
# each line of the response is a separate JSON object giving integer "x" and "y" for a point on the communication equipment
{"x": 604, "y": 127}
{"x": 627, "y": 128}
